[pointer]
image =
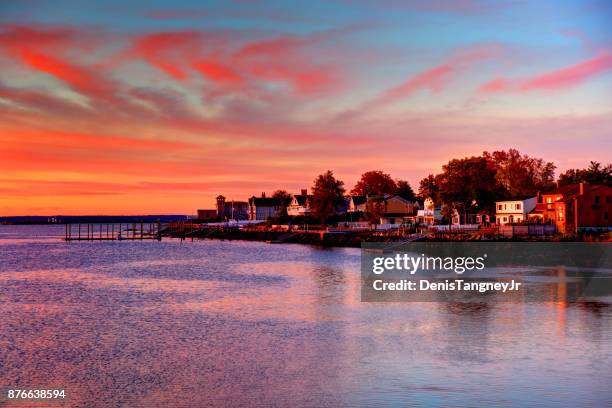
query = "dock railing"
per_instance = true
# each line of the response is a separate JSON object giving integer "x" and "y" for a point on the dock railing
{"x": 113, "y": 231}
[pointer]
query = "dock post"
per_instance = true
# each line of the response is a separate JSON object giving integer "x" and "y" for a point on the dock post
{"x": 79, "y": 231}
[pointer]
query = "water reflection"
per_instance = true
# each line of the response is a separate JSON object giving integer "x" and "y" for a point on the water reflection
{"x": 150, "y": 324}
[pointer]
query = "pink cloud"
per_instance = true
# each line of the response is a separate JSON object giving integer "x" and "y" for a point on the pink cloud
{"x": 562, "y": 78}
{"x": 432, "y": 79}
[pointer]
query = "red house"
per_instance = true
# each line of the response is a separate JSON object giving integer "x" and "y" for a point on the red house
{"x": 576, "y": 207}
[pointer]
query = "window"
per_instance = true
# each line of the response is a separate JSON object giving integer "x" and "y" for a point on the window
{"x": 499, "y": 207}
{"x": 518, "y": 206}
{"x": 596, "y": 199}
{"x": 608, "y": 200}
{"x": 560, "y": 214}
{"x": 505, "y": 219}
{"x": 605, "y": 215}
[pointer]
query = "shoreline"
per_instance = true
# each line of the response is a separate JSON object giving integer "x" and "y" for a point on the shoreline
{"x": 352, "y": 240}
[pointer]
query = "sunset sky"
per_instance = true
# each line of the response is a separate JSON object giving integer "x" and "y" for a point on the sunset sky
{"x": 158, "y": 106}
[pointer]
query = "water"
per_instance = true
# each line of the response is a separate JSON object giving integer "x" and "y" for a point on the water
{"x": 146, "y": 324}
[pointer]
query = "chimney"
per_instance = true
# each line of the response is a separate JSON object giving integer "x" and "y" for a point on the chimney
{"x": 581, "y": 188}
{"x": 263, "y": 194}
{"x": 304, "y": 191}
{"x": 538, "y": 197}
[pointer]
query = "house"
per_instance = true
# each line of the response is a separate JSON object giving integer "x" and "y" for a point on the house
{"x": 262, "y": 208}
{"x": 430, "y": 214}
{"x": 357, "y": 204}
{"x": 576, "y": 207}
{"x": 394, "y": 209}
{"x": 231, "y": 210}
{"x": 515, "y": 210}
{"x": 207, "y": 215}
{"x": 299, "y": 205}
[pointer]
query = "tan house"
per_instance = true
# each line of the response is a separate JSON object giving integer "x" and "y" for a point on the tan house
{"x": 394, "y": 209}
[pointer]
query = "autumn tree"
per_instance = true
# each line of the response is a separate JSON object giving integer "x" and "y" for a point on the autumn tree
{"x": 376, "y": 183}
{"x": 284, "y": 199}
{"x": 521, "y": 175}
{"x": 594, "y": 174}
{"x": 468, "y": 184}
{"x": 430, "y": 187}
{"x": 404, "y": 190}
{"x": 327, "y": 196}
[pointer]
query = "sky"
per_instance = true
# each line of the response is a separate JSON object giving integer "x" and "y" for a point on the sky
{"x": 157, "y": 107}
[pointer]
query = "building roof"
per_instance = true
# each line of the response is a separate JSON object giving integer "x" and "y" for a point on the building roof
{"x": 565, "y": 190}
{"x": 518, "y": 198}
{"x": 358, "y": 199}
{"x": 301, "y": 199}
{"x": 397, "y": 214}
{"x": 264, "y": 201}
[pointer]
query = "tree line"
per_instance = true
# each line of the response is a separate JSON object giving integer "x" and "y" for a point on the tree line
{"x": 466, "y": 185}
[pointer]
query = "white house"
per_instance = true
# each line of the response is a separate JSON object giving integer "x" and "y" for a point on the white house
{"x": 357, "y": 203}
{"x": 515, "y": 210}
{"x": 430, "y": 214}
{"x": 299, "y": 204}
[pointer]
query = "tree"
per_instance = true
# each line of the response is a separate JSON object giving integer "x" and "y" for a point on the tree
{"x": 284, "y": 199}
{"x": 404, "y": 190}
{"x": 468, "y": 184}
{"x": 594, "y": 174}
{"x": 430, "y": 187}
{"x": 521, "y": 175}
{"x": 327, "y": 196}
{"x": 374, "y": 182}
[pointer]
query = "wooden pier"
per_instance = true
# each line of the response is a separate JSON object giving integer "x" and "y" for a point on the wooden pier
{"x": 113, "y": 232}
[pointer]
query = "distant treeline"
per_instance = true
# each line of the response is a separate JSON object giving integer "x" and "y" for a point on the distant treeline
{"x": 63, "y": 219}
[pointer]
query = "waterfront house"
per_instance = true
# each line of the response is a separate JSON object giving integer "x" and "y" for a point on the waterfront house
{"x": 262, "y": 208}
{"x": 514, "y": 210}
{"x": 357, "y": 203}
{"x": 430, "y": 214}
{"x": 395, "y": 209}
{"x": 575, "y": 208}
{"x": 231, "y": 210}
{"x": 300, "y": 204}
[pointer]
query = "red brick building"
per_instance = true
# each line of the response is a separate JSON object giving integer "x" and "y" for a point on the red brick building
{"x": 576, "y": 207}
